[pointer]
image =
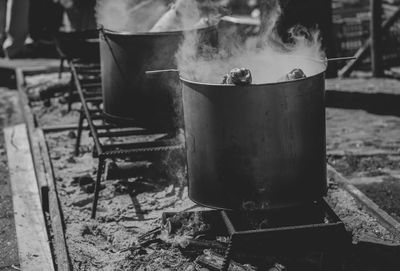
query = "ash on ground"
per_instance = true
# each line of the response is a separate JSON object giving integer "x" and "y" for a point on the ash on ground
{"x": 132, "y": 207}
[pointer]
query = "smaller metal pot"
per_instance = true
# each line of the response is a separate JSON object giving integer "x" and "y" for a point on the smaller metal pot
{"x": 125, "y": 58}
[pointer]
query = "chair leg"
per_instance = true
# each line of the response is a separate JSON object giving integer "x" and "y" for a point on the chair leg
{"x": 79, "y": 135}
{"x": 71, "y": 93}
{"x": 100, "y": 171}
{"x": 61, "y": 68}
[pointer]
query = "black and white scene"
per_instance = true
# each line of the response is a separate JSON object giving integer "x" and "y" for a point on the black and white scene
{"x": 200, "y": 135}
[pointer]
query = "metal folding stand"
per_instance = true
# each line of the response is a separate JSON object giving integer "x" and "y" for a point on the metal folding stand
{"x": 99, "y": 127}
{"x": 286, "y": 231}
{"x": 319, "y": 228}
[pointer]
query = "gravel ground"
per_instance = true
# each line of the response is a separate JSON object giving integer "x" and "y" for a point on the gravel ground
{"x": 128, "y": 208}
{"x": 365, "y": 147}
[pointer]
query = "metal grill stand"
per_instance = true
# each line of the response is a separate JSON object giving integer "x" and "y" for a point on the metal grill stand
{"x": 84, "y": 77}
{"x": 287, "y": 231}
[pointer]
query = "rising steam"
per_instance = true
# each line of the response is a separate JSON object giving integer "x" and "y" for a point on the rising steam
{"x": 130, "y": 15}
{"x": 267, "y": 56}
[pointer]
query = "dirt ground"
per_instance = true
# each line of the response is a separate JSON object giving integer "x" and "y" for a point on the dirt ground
{"x": 365, "y": 147}
{"x": 361, "y": 145}
{"x": 8, "y": 240}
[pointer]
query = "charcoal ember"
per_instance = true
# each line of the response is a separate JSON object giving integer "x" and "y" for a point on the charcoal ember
{"x": 238, "y": 76}
{"x": 197, "y": 246}
{"x": 263, "y": 224}
{"x": 83, "y": 180}
{"x": 249, "y": 205}
{"x": 214, "y": 261}
{"x": 89, "y": 188}
{"x": 294, "y": 74}
{"x": 223, "y": 239}
{"x": 72, "y": 135}
{"x": 172, "y": 226}
{"x": 149, "y": 237}
{"x": 186, "y": 224}
{"x": 277, "y": 267}
{"x": 190, "y": 267}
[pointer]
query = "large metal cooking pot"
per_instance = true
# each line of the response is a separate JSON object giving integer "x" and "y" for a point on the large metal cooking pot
{"x": 256, "y": 145}
{"x": 125, "y": 57}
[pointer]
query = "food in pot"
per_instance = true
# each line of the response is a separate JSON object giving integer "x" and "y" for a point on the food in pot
{"x": 238, "y": 76}
{"x": 203, "y": 22}
{"x": 295, "y": 74}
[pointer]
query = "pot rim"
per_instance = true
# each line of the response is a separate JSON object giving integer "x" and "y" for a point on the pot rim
{"x": 324, "y": 62}
{"x": 163, "y": 33}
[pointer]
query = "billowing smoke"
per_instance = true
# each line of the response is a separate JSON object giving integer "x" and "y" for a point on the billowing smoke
{"x": 267, "y": 56}
{"x": 136, "y": 16}
{"x": 131, "y": 16}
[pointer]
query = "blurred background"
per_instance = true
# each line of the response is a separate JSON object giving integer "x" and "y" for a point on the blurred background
{"x": 28, "y": 28}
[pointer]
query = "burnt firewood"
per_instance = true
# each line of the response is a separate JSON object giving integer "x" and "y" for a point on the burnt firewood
{"x": 197, "y": 246}
{"x": 186, "y": 224}
{"x": 277, "y": 267}
{"x": 214, "y": 261}
{"x": 83, "y": 180}
{"x": 149, "y": 237}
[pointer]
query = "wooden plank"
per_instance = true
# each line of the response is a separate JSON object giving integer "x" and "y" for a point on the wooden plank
{"x": 59, "y": 244}
{"x": 44, "y": 170}
{"x": 384, "y": 218}
{"x": 29, "y": 64}
{"x": 30, "y": 123}
{"x": 33, "y": 244}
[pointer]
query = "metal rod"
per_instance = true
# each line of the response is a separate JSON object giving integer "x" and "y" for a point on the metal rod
{"x": 123, "y": 133}
{"x": 344, "y": 58}
{"x": 79, "y": 133}
{"x": 140, "y": 145}
{"x": 86, "y": 110}
{"x": 376, "y": 37}
{"x": 160, "y": 71}
{"x": 228, "y": 222}
{"x": 100, "y": 170}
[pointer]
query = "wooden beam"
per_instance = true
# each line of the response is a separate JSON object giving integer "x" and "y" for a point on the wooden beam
{"x": 376, "y": 38}
{"x": 362, "y": 52}
{"x": 44, "y": 171}
{"x": 33, "y": 244}
{"x": 30, "y": 123}
{"x": 59, "y": 245}
{"x": 384, "y": 218}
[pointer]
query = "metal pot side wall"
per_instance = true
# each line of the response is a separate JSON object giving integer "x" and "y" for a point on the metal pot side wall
{"x": 124, "y": 60}
{"x": 257, "y": 143}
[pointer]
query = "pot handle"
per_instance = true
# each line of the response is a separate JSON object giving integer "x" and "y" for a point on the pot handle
{"x": 148, "y": 73}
